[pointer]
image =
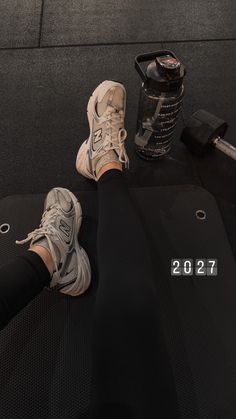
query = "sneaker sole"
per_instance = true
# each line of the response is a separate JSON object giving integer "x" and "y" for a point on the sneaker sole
{"x": 81, "y": 284}
{"x": 101, "y": 89}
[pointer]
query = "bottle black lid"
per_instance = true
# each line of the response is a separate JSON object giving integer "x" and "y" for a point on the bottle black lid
{"x": 165, "y": 73}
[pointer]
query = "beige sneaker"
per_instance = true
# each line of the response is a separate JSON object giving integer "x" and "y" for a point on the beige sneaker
{"x": 106, "y": 113}
{"x": 58, "y": 233}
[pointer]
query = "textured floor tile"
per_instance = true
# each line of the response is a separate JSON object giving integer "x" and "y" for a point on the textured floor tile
{"x": 91, "y": 21}
{"x": 19, "y": 23}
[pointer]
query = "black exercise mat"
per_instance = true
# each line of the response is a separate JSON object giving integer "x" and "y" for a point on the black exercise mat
{"x": 45, "y": 350}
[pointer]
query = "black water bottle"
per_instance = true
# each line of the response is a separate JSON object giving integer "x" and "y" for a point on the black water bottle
{"x": 160, "y": 101}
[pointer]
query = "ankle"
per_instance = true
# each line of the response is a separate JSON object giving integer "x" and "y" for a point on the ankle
{"x": 45, "y": 256}
{"x": 109, "y": 166}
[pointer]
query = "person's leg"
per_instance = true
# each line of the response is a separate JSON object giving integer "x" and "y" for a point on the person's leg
{"x": 132, "y": 377}
{"x": 54, "y": 259}
{"x": 21, "y": 279}
{"x": 131, "y": 372}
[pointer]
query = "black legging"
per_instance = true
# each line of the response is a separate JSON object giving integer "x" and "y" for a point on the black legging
{"x": 132, "y": 377}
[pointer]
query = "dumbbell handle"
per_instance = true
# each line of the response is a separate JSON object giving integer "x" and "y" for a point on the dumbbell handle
{"x": 225, "y": 147}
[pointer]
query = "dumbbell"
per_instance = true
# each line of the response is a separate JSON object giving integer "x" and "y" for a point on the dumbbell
{"x": 205, "y": 131}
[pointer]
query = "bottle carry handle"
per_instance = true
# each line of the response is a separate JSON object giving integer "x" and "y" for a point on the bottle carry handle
{"x": 148, "y": 57}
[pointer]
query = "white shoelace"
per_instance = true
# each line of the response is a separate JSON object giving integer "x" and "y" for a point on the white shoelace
{"x": 112, "y": 141}
{"x": 46, "y": 229}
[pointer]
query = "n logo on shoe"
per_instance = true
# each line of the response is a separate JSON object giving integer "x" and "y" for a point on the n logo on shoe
{"x": 65, "y": 228}
{"x": 97, "y": 135}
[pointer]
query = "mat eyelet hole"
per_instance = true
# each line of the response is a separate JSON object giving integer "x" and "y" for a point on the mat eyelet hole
{"x": 4, "y": 228}
{"x": 201, "y": 215}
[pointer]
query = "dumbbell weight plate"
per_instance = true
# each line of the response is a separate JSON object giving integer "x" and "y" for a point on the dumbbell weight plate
{"x": 202, "y": 128}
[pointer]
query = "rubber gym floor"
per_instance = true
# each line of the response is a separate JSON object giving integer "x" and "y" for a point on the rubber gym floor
{"x": 53, "y": 54}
